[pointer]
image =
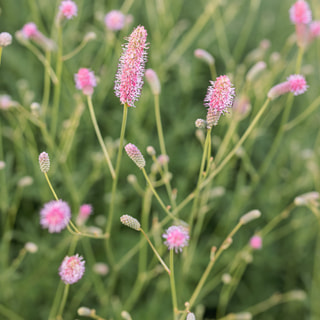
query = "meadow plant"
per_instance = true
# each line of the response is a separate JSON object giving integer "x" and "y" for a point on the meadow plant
{"x": 219, "y": 198}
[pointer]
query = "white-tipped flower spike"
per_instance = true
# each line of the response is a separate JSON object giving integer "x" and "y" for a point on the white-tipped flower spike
{"x": 251, "y": 215}
{"x": 204, "y": 55}
{"x": 307, "y": 198}
{"x": 44, "y": 162}
{"x": 256, "y": 71}
{"x": 130, "y": 222}
{"x": 5, "y": 39}
{"x": 135, "y": 155}
{"x": 201, "y": 123}
{"x": 153, "y": 80}
{"x": 191, "y": 316}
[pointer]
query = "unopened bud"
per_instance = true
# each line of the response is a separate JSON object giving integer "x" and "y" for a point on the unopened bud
{"x": 226, "y": 244}
{"x": 31, "y": 247}
{"x": 201, "y": 123}
{"x": 226, "y": 278}
{"x": 101, "y": 268}
{"x": 83, "y": 311}
{"x": 2, "y": 165}
{"x": 25, "y": 182}
{"x": 256, "y": 70}
{"x": 132, "y": 179}
{"x": 130, "y": 222}
{"x": 243, "y": 316}
{"x": 135, "y": 155}
{"x": 151, "y": 151}
{"x": 89, "y": 36}
{"x": 191, "y": 316}
{"x": 251, "y": 215}
{"x": 126, "y": 315}
{"x": 44, "y": 162}
{"x": 153, "y": 81}
{"x": 204, "y": 56}
{"x": 296, "y": 295}
{"x": 307, "y": 198}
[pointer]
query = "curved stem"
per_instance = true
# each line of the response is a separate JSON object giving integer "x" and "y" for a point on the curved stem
{"x": 173, "y": 285}
{"x": 51, "y": 187}
{"x": 98, "y": 133}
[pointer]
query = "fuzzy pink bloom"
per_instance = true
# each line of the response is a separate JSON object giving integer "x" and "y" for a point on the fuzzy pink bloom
{"x": 115, "y": 20}
{"x": 129, "y": 78}
{"x": 315, "y": 29}
{"x": 85, "y": 81}
{"x": 219, "y": 98}
{"x": 300, "y": 13}
{"x": 84, "y": 213}
{"x": 256, "y": 242}
{"x": 295, "y": 83}
{"x": 68, "y": 9}
{"x": 30, "y": 30}
{"x": 135, "y": 155}
{"x": 55, "y": 216}
{"x": 72, "y": 269}
{"x": 176, "y": 237}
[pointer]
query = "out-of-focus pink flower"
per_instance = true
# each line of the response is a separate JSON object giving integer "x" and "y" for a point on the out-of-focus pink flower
{"x": 5, "y": 39}
{"x": 315, "y": 29}
{"x": 300, "y": 13}
{"x": 55, "y": 216}
{"x": 135, "y": 155}
{"x": 176, "y": 237}
{"x": 256, "y": 242}
{"x": 84, "y": 213}
{"x": 115, "y": 20}
{"x": 68, "y": 9}
{"x": 129, "y": 78}
{"x": 30, "y": 30}
{"x": 153, "y": 81}
{"x": 85, "y": 81}
{"x": 6, "y": 102}
{"x": 295, "y": 83}
{"x": 72, "y": 269}
{"x": 219, "y": 98}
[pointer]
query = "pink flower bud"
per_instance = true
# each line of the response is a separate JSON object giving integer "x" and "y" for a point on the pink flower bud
{"x": 135, "y": 155}
{"x": 153, "y": 81}
{"x": 256, "y": 242}
{"x": 85, "y": 81}
{"x": 300, "y": 13}
{"x": 204, "y": 55}
{"x": 115, "y": 20}
{"x": 68, "y": 9}
{"x": 315, "y": 29}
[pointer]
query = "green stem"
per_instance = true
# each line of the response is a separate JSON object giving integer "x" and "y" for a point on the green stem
{"x": 50, "y": 185}
{"x": 98, "y": 133}
{"x": 63, "y": 301}
{"x": 46, "y": 86}
{"x": 173, "y": 286}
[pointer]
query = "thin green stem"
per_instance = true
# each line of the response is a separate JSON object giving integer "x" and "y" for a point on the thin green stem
{"x": 156, "y": 252}
{"x": 51, "y": 187}
{"x": 63, "y": 301}
{"x": 98, "y": 133}
{"x": 46, "y": 86}
{"x": 173, "y": 285}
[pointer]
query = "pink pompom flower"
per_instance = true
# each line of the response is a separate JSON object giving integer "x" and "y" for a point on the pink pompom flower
{"x": 256, "y": 242}
{"x": 295, "y": 83}
{"x": 315, "y": 29}
{"x": 85, "y": 81}
{"x": 68, "y": 9}
{"x": 84, "y": 213}
{"x": 300, "y": 13}
{"x": 55, "y": 216}
{"x": 72, "y": 269}
{"x": 30, "y": 30}
{"x": 115, "y": 20}
{"x": 129, "y": 77}
{"x": 176, "y": 237}
{"x": 219, "y": 98}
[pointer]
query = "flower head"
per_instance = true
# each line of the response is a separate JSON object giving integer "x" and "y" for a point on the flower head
{"x": 130, "y": 222}
{"x": 219, "y": 98}
{"x": 297, "y": 84}
{"x": 68, "y": 9}
{"x": 176, "y": 237}
{"x": 55, "y": 216}
{"x": 204, "y": 55}
{"x": 30, "y": 30}
{"x": 72, "y": 269}
{"x": 115, "y": 20}
{"x": 153, "y": 81}
{"x": 85, "y": 81}
{"x": 5, "y": 39}
{"x": 135, "y": 155}
{"x": 44, "y": 162}
{"x": 315, "y": 29}
{"x": 300, "y": 13}
{"x": 256, "y": 242}
{"x": 129, "y": 78}
{"x": 84, "y": 213}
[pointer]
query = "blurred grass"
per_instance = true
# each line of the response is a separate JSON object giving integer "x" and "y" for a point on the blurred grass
{"x": 285, "y": 263}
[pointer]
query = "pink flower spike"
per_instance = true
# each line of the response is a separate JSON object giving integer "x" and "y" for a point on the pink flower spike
{"x": 315, "y": 29}
{"x": 298, "y": 84}
{"x": 84, "y": 213}
{"x": 256, "y": 242}
{"x": 135, "y": 155}
{"x": 129, "y": 77}
{"x": 55, "y": 216}
{"x": 219, "y": 98}
{"x": 85, "y": 81}
{"x": 30, "y": 30}
{"x": 72, "y": 269}
{"x": 115, "y": 20}
{"x": 300, "y": 13}
{"x": 176, "y": 237}
{"x": 68, "y": 9}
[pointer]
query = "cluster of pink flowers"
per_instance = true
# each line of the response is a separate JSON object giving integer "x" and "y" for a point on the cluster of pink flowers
{"x": 68, "y": 9}
{"x": 55, "y": 216}
{"x": 85, "y": 81}
{"x": 295, "y": 83}
{"x": 301, "y": 17}
{"x": 219, "y": 98}
{"x": 84, "y": 212}
{"x": 129, "y": 78}
{"x": 177, "y": 237}
{"x": 115, "y": 20}
{"x": 72, "y": 269}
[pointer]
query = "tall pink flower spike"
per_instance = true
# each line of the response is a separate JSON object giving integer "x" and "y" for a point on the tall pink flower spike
{"x": 129, "y": 77}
